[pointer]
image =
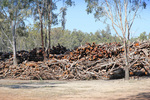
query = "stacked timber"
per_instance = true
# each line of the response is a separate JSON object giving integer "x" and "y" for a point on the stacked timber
{"x": 36, "y": 55}
{"x": 91, "y": 61}
{"x": 59, "y": 49}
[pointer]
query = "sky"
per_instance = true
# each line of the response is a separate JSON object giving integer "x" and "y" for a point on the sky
{"x": 77, "y": 18}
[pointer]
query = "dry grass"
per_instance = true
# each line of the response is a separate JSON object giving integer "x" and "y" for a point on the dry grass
{"x": 75, "y": 90}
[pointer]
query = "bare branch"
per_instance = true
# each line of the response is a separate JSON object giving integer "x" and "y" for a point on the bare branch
{"x": 129, "y": 26}
{"x": 109, "y": 14}
{"x": 56, "y": 1}
{"x": 116, "y": 31}
{"x": 112, "y": 19}
{"x": 125, "y": 7}
{"x": 6, "y": 35}
{"x": 120, "y": 17}
{"x": 134, "y": 17}
{"x": 61, "y": 10}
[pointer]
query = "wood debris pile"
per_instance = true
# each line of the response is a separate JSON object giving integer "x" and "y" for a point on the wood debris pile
{"x": 59, "y": 49}
{"x": 91, "y": 61}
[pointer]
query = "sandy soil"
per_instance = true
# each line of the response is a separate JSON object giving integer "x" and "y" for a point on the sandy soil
{"x": 134, "y": 89}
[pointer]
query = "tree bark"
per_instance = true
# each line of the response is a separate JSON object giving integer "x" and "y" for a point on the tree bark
{"x": 41, "y": 23}
{"x": 45, "y": 36}
{"x": 42, "y": 40}
{"x": 45, "y": 27}
{"x": 126, "y": 61}
{"x": 49, "y": 37}
{"x": 49, "y": 26}
{"x": 14, "y": 43}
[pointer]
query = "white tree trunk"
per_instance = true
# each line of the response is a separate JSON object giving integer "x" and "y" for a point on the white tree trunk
{"x": 126, "y": 61}
{"x": 14, "y": 43}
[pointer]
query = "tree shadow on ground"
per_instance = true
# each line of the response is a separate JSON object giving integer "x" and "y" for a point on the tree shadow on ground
{"x": 140, "y": 96}
{"x": 33, "y": 85}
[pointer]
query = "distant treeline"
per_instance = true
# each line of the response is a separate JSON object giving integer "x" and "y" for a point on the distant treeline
{"x": 70, "y": 39}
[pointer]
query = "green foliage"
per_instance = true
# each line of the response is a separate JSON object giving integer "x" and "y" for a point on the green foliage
{"x": 98, "y": 7}
{"x": 13, "y": 13}
{"x": 149, "y": 36}
{"x": 28, "y": 37}
{"x": 77, "y": 38}
{"x": 117, "y": 12}
{"x": 143, "y": 36}
{"x": 63, "y": 37}
{"x": 67, "y": 38}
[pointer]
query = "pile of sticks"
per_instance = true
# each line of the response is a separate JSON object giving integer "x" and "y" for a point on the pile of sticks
{"x": 59, "y": 49}
{"x": 91, "y": 61}
{"x": 33, "y": 55}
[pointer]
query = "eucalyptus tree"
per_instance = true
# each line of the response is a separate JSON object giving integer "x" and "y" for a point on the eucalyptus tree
{"x": 121, "y": 14}
{"x": 4, "y": 29}
{"x": 143, "y": 36}
{"x": 53, "y": 17}
{"x": 15, "y": 11}
{"x": 44, "y": 11}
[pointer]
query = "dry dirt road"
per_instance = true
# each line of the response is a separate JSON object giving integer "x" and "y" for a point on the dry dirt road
{"x": 134, "y": 89}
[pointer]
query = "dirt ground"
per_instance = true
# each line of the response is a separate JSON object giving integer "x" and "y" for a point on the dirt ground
{"x": 133, "y": 89}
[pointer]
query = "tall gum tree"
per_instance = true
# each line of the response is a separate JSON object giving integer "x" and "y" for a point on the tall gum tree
{"x": 44, "y": 11}
{"x": 15, "y": 11}
{"x": 52, "y": 16}
{"x": 121, "y": 14}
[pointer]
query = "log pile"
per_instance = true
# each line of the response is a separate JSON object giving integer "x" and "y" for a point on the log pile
{"x": 59, "y": 49}
{"x": 91, "y": 61}
{"x": 35, "y": 54}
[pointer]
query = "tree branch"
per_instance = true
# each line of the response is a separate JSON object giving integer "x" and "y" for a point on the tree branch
{"x": 129, "y": 26}
{"x": 6, "y": 35}
{"x": 111, "y": 18}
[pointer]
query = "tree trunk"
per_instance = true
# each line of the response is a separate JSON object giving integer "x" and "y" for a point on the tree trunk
{"x": 49, "y": 26}
{"x": 45, "y": 28}
{"x": 49, "y": 37}
{"x": 126, "y": 61}
{"x": 14, "y": 43}
{"x": 45, "y": 36}
{"x": 42, "y": 39}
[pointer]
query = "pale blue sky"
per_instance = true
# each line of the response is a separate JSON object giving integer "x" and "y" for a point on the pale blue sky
{"x": 77, "y": 18}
